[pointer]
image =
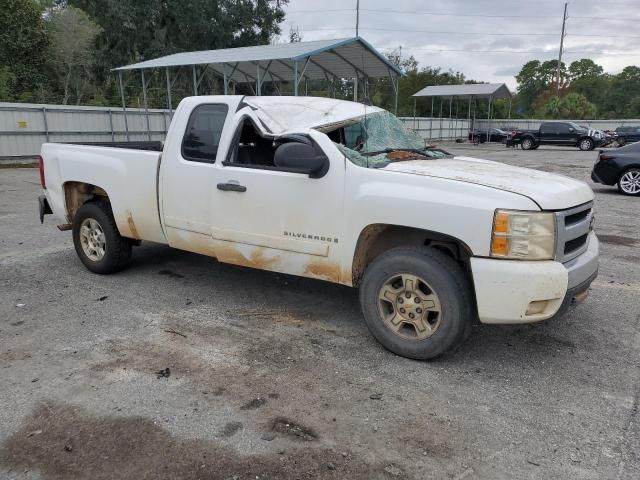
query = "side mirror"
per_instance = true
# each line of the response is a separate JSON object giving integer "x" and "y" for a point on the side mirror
{"x": 571, "y": 129}
{"x": 302, "y": 158}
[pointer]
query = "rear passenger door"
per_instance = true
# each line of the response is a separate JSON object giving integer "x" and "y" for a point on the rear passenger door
{"x": 187, "y": 173}
{"x": 548, "y": 133}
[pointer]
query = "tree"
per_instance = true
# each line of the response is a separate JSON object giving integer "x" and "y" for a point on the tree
{"x": 23, "y": 47}
{"x": 73, "y": 34}
{"x": 572, "y": 106}
{"x": 536, "y": 78}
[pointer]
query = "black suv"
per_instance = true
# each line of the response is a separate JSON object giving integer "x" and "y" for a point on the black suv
{"x": 566, "y": 134}
{"x": 626, "y": 135}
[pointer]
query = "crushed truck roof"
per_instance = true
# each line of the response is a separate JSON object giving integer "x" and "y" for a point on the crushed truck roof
{"x": 282, "y": 114}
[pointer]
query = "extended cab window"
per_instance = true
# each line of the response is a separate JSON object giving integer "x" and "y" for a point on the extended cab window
{"x": 548, "y": 128}
{"x": 202, "y": 137}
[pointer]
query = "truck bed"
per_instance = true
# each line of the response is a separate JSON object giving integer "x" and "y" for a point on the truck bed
{"x": 128, "y": 176}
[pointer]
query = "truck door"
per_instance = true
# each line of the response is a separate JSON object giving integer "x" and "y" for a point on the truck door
{"x": 187, "y": 172}
{"x": 566, "y": 134}
{"x": 549, "y": 133}
{"x": 273, "y": 219}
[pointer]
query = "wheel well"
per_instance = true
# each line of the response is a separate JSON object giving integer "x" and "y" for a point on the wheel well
{"x": 378, "y": 238}
{"x": 77, "y": 194}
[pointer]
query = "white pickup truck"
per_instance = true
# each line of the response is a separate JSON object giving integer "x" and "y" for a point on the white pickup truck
{"x": 342, "y": 192}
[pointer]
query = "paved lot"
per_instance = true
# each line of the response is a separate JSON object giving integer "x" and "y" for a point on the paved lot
{"x": 273, "y": 376}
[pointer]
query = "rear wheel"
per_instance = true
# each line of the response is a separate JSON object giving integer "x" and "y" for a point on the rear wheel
{"x": 621, "y": 141}
{"x": 97, "y": 241}
{"x": 629, "y": 182}
{"x": 527, "y": 144}
{"x": 586, "y": 144}
{"x": 416, "y": 302}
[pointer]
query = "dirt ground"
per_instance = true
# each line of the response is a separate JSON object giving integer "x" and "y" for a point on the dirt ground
{"x": 183, "y": 368}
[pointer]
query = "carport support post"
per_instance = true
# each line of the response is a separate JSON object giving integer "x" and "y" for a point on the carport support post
{"x": 414, "y": 112}
{"x": 146, "y": 106}
{"x": 509, "y": 115}
{"x": 440, "y": 131}
{"x": 225, "y": 79}
{"x": 169, "y": 91}
{"x": 355, "y": 87}
{"x": 295, "y": 78}
{"x": 431, "y": 119}
{"x": 469, "y": 115}
{"x": 124, "y": 105}
{"x": 195, "y": 80}
{"x": 489, "y": 119}
{"x": 258, "y": 82}
{"x": 450, "y": 110}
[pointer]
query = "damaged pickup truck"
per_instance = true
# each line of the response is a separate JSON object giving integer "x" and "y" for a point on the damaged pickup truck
{"x": 337, "y": 191}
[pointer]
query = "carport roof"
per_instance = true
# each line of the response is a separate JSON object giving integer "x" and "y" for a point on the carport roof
{"x": 338, "y": 58}
{"x": 478, "y": 90}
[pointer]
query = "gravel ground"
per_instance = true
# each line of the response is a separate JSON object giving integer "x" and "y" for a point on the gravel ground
{"x": 272, "y": 376}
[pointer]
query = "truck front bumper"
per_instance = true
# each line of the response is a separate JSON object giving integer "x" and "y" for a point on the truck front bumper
{"x": 513, "y": 291}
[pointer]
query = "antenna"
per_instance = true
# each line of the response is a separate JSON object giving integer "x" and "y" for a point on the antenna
{"x": 564, "y": 21}
{"x": 358, "y": 16}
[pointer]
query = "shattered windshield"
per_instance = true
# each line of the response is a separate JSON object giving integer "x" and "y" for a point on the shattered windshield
{"x": 377, "y": 139}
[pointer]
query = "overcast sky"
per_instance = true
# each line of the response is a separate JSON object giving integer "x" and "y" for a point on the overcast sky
{"x": 533, "y": 26}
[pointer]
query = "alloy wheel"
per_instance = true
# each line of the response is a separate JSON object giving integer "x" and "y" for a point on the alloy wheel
{"x": 409, "y": 307}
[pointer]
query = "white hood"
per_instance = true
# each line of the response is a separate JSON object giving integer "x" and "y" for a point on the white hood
{"x": 550, "y": 191}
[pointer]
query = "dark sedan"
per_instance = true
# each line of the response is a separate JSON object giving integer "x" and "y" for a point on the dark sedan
{"x": 620, "y": 166}
{"x": 626, "y": 135}
{"x": 494, "y": 135}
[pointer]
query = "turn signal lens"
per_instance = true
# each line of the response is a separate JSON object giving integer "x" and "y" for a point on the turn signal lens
{"x": 499, "y": 246}
{"x": 523, "y": 235}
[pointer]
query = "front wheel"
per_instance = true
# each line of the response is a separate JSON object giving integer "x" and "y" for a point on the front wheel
{"x": 621, "y": 141}
{"x": 586, "y": 144}
{"x": 629, "y": 182}
{"x": 97, "y": 240}
{"x": 416, "y": 302}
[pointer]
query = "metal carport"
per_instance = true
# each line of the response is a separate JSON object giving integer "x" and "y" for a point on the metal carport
{"x": 330, "y": 60}
{"x": 469, "y": 90}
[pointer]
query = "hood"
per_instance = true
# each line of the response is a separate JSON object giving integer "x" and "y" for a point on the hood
{"x": 548, "y": 190}
{"x": 282, "y": 114}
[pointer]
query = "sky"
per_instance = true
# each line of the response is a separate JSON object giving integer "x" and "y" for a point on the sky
{"x": 487, "y": 40}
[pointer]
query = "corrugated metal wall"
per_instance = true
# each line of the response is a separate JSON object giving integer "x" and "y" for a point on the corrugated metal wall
{"x": 25, "y": 127}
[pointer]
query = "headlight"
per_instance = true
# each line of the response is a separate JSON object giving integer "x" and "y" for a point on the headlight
{"x": 523, "y": 235}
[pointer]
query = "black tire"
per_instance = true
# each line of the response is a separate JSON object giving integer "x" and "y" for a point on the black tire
{"x": 622, "y": 141}
{"x": 586, "y": 144}
{"x": 527, "y": 143}
{"x": 117, "y": 250}
{"x": 444, "y": 277}
{"x": 629, "y": 189}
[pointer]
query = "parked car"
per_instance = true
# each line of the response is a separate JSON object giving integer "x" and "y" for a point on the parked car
{"x": 620, "y": 166}
{"x": 338, "y": 191}
{"x": 626, "y": 135}
{"x": 493, "y": 135}
{"x": 558, "y": 133}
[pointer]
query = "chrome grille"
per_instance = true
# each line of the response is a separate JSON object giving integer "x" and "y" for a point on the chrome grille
{"x": 572, "y": 227}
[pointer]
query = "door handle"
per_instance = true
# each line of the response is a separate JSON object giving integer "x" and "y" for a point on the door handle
{"x": 231, "y": 187}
